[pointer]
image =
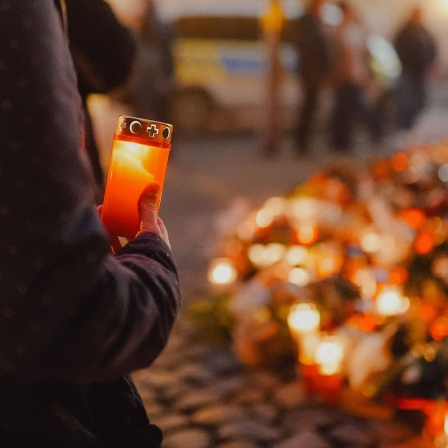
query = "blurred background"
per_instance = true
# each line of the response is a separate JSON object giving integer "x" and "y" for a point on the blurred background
{"x": 207, "y": 62}
{"x": 227, "y": 74}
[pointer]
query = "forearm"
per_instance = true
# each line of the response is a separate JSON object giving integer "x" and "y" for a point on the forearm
{"x": 129, "y": 317}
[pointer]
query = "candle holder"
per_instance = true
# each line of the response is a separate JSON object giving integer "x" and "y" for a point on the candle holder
{"x": 139, "y": 155}
{"x": 329, "y": 357}
{"x": 309, "y": 376}
{"x": 304, "y": 324}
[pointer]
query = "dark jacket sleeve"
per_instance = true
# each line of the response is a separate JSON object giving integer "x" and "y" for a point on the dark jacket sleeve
{"x": 69, "y": 310}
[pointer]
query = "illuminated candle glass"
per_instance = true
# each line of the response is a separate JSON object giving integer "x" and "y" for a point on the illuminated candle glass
{"x": 445, "y": 429}
{"x": 304, "y": 323}
{"x": 303, "y": 318}
{"x": 390, "y": 302}
{"x": 222, "y": 272}
{"x": 139, "y": 155}
{"x": 329, "y": 355}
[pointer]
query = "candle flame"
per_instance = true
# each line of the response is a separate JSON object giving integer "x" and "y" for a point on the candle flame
{"x": 222, "y": 272}
{"x": 390, "y": 302}
{"x": 329, "y": 355}
{"x": 304, "y": 317}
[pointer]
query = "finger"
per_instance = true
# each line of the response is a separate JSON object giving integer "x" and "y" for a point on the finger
{"x": 147, "y": 206}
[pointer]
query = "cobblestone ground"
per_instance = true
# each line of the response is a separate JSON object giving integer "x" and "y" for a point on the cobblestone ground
{"x": 200, "y": 395}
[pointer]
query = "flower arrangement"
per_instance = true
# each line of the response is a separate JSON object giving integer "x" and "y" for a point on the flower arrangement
{"x": 368, "y": 247}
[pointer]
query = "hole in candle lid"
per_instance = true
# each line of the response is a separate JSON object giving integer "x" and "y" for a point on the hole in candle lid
{"x": 135, "y": 127}
{"x": 166, "y": 133}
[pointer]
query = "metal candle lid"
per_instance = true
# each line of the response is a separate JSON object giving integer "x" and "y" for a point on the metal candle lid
{"x": 155, "y": 131}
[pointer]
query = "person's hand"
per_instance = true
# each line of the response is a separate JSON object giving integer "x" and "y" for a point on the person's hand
{"x": 147, "y": 208}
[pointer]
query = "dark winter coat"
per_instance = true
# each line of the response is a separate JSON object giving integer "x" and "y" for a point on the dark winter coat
{"x": 313, "y": 48}
{"x": 416, "y": 49}
{"x": 74, "y": 320}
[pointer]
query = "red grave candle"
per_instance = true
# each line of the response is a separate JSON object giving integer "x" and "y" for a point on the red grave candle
{"x": 139, "y": 155}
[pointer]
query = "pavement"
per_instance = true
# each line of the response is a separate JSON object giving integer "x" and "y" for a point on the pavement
{"x": 197, "y": 391}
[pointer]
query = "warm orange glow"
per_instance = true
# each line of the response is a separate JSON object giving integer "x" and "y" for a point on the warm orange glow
{"x": 427, "y": 312}
{"x": 139, "y": 155}
{"x": 222, "y": 272}
{"x": 439, "y": 329}
{"x": 307, "y": 235}
{"x": 424, "y": 243}
{"x": 437, "y": 416}
{"x": 329, "y": 355}
{"x": 303, "y": 318}
{"x": 399, "y": 161}
{"x": 328, "y": 265}
{"x": 398, "y": 276}
{"x": 304, "y": 324}
{"x": 413, "y": 217}
{"x": 390, "y": 301}
{"x": 364, "y": 322}
{"x": 127, "y": 178}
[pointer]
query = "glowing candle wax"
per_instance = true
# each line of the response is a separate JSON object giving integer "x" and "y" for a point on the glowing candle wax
{"x": 222, "y": 272}
{"x": 304, "y": 323}
{"x": 329, "y": 356}
{"x": 303, "y": 318}
{"x": 139, "y": 155}
{"x": 390, "y": 302}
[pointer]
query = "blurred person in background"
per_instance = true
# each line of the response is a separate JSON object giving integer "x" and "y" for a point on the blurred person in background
{"x": 351, "y": 78}
{"x": 417, "y": 51}
{"x": 103, "y": 51}
{"x": 153, "y": 79}
{"x": 75, "y": 320}
{"x": 312, "y": 43}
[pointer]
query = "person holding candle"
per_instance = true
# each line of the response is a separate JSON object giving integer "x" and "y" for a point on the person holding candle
{"x": 75, "y": 320}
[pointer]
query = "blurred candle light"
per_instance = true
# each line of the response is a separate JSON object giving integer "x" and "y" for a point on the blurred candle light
{"x": 303, "y": 209}
{"x": 222, "y": 272}
{"x": 299, "y": 276}
{"x": 424, "y": 242}
{"x": 303, "y": 318}
{"x": 304, "y": 324}
{"x": 256, "y": 254}
{"x": 297, "y": 255}
{"x": 272, "y": 208}
{"x": 370, "y": 241}
{"x": 262, "y": 256}
{"x": 274, "y": 252}
{"x": 307, "y": 234}
{"x": 399, "y": 161}
{"x": 390, "y": 301}
{"x": 275, "y": 205}
{"x": 329, "y": 258}
{"x": 264, "y": 217}
{"x": 329, "y": 355}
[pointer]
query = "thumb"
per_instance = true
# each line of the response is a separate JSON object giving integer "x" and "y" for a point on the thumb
{"x": 147, "y": 207}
